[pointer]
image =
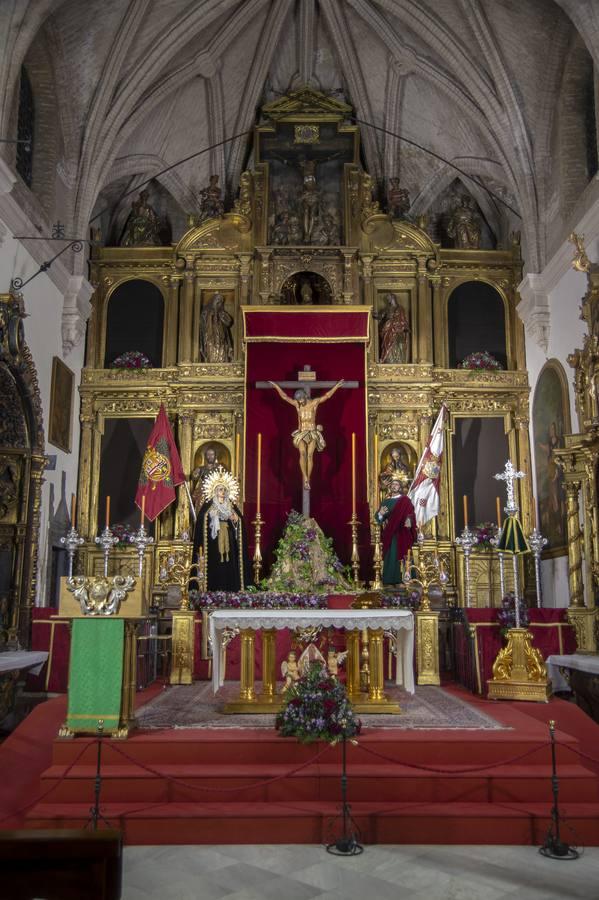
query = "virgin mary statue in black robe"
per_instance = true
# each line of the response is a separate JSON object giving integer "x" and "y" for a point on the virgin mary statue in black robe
{"x": 220, "y": 532}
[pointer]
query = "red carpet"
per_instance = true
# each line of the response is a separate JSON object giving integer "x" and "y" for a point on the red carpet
{"x": 237, "y": 785}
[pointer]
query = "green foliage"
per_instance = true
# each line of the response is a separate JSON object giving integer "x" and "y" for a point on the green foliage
{"x": 305, "y": 561}
{"x": 317, "y": 709}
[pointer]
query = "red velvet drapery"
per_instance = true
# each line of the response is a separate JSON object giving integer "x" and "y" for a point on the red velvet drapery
{"x": 334, "y": 347}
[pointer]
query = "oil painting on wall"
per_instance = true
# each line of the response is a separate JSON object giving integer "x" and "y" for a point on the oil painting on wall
{"x": 551, "y": 419}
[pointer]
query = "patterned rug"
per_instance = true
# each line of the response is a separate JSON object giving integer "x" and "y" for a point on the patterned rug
{"x": 195, "y": 706}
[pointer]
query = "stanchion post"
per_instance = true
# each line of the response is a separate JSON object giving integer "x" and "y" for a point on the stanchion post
{"x": 554, "y": 847}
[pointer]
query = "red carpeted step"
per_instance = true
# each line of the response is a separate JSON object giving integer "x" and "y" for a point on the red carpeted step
{"x": 302, "y": 822}
{"x": 217, "y": 783}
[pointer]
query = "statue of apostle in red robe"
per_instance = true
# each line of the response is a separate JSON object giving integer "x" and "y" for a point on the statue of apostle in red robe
{"x": 398, "y": 519}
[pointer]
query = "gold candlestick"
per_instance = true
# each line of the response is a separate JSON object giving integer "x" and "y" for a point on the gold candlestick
{"x": 355, "y": 556}
{"x": 257, "y": 523}
{"x": 377, "y": 559}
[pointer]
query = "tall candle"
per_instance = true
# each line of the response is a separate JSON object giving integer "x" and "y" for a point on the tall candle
{"x": 108, "y": 511}
{"x": 259, "y": 473}
{"x": 237, "y": 442}
{"x": 465, "y": 498}
{"x": 353, "y": 473}
{"x": 375, "y": 467}
{"x": 533, "y": 510}
{"x": 143, "y": 508}
{"x": 72, "y": 510}
{"x": 498, "y": 504}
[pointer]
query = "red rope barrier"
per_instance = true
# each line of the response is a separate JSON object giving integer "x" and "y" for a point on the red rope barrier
{"x": 245, "y": 787}
{"x": 41, "y": 797}
{"x": 465, "y": 771}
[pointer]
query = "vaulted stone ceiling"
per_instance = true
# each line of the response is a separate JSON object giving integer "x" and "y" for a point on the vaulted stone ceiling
{"x": 140, "y": 84}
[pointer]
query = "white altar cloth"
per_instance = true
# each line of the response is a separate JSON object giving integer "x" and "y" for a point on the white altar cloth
{"x": 33, "y": 660}
{"x": 399, "y": 621}
{"x": 581, "y": 661}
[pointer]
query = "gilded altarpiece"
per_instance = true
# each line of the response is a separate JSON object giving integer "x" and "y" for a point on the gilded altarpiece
{"x": 319, "y": 222}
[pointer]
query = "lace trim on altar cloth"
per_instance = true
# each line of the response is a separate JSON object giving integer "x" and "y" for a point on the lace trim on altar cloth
{"x": 348, "y": 619}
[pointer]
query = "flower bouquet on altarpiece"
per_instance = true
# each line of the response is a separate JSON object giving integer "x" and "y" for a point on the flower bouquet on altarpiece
{"x": 317, "y": 709}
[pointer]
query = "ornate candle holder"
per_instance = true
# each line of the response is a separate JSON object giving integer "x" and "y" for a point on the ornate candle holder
{"x": 72, "y": 541}
{"x": 536, "y": 542}
{"x": 141, "y": 540}
{"x": 257, "y": 523}
{"x": 500, "y": 555}
{"x": 107, "y": 540}
{"x": 377, "y": 561}
{"x": 355, "y": 555}
{"x": 467, "y": 540}
{"x": 429, "y": 571}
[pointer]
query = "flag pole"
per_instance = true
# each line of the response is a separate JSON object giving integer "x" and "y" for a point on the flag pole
{"x": 193, "y": 511}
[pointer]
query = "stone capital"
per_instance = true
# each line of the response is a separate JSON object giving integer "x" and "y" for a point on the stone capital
{"x": 76, "y": 311}
{"x": 533, "y": 310}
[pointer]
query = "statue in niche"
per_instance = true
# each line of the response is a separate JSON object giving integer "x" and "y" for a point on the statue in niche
{"x": 398, "y": 199}
{"x": 143, "y": 225}
{"x": 216, "y": 340}
{"x": 210, "y": 464}
{"x": 211, "y": 203}
{"x": 464, "y": 225}
{"x": 395, "y": 470}
{"x": 394, "y": 332}
{"x": 306, "y": 293}
{"x": 310, "y": 197}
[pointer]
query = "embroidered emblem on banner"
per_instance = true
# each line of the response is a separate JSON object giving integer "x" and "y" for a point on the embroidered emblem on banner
{"x": 156, "y": 466}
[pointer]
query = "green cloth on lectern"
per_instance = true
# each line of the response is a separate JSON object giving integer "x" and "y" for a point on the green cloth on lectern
{"x": 512, "y": 538}
{"x": 95, "y": 673}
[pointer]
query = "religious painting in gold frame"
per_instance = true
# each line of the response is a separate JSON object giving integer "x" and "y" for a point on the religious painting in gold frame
{"x": 60, "y": 422}
{"x": 550, "y": 421}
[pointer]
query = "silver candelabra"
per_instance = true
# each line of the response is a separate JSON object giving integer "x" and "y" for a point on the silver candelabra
{"x": 536, "y": 542}
{"x": 106, "y": 540}
{"x": 500, "y": 554}
{"x": 72, "y": 541}
{"x": 467, "y": 540}
{"x": 141, "y": 540}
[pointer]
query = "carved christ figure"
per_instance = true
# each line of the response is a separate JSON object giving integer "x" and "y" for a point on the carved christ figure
{"x": 308, "y": 436}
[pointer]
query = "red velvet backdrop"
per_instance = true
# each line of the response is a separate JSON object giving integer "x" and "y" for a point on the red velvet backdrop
{"x": 340, "y": 416}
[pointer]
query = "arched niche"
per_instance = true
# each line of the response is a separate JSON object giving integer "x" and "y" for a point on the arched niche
{"x": 306, "y": 289}
{"x": 135, "y": 321}
{"x": 476, "y": 320}
{"x": 550, "y": 421}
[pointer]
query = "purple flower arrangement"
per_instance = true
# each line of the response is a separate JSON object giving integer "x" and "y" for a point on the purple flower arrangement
{"x": 256, "y": 600}
{"x": 481, "y": 359}
{"x": 123, "y": 532}
{"x": 317, "y": 709}
{"x": 131, "y": 359}
{"x": 485, "y": 532}
{"x": 507, "y": 613}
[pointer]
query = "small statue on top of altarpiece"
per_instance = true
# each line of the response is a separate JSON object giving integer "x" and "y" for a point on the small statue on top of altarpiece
{"x": 398, "y": 199}
{"x": 211, "y": 203}
{"x": 216, "y": 340}
{"x": 464, "y": 225}
{"x": 394, "y": 332}
{"x": 220, "y": 532}
{"x": 143, "y": 225}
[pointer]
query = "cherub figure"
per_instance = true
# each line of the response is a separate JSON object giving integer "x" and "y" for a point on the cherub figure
{"x": 290, "y": 670}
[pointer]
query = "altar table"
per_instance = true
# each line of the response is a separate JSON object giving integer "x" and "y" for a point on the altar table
{"x": 376, "y": 621}
{"x": 577, "y": 672}
{"x": 22, "y": 659}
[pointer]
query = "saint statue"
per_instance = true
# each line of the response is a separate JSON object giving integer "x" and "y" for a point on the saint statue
{"x": 200, "y": 473}
{"x": 211, "y": 204}
{"x": 394, "y": 332}
{"x": 216, "y": 340}
{"x": 220, "y": 532}
{"x": 398, "y": 199}
{"x": 310, "y": 195}
{"x": 395, "y": 470}
{"x": 143, "y": 225}
{"x": 464, "y": 225}
{"x": 398, "y": 518}
{"x": 306, "y": 293}
{"x": 308, "y": 436}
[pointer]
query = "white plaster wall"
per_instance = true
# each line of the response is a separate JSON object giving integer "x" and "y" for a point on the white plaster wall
{"x": 566, "y": 333}
{"x": 44, "y": 305}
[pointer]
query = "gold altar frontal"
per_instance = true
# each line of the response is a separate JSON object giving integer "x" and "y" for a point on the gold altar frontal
{"x": 373, "y": 701}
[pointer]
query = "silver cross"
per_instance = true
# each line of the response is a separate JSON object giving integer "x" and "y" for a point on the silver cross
{"x": 509, "y": 475}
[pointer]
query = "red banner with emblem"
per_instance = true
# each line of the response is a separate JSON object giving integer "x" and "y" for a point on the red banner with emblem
{"x": 161, "y": 469}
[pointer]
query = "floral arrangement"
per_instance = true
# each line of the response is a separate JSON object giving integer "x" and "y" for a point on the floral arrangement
{"x": 481, "y": 359}
{"x": 255, "y": 600}
{"x": 317, "y": 709}
{"x": 131, "y": 359}
{"x": 305, "y": 561}
{"x": 401, "y": 600}
{"x": 123, "y": 532}
{"x": 485, "y": 533}
{"x": 507, "y": 613}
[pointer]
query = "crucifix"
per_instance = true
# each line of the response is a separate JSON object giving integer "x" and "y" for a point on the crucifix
{"x": 509, "y": 475}
{"x": 308, "y": 436}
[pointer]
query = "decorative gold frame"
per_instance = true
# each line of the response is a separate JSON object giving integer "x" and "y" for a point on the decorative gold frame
{"x": 62, "y": 398}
